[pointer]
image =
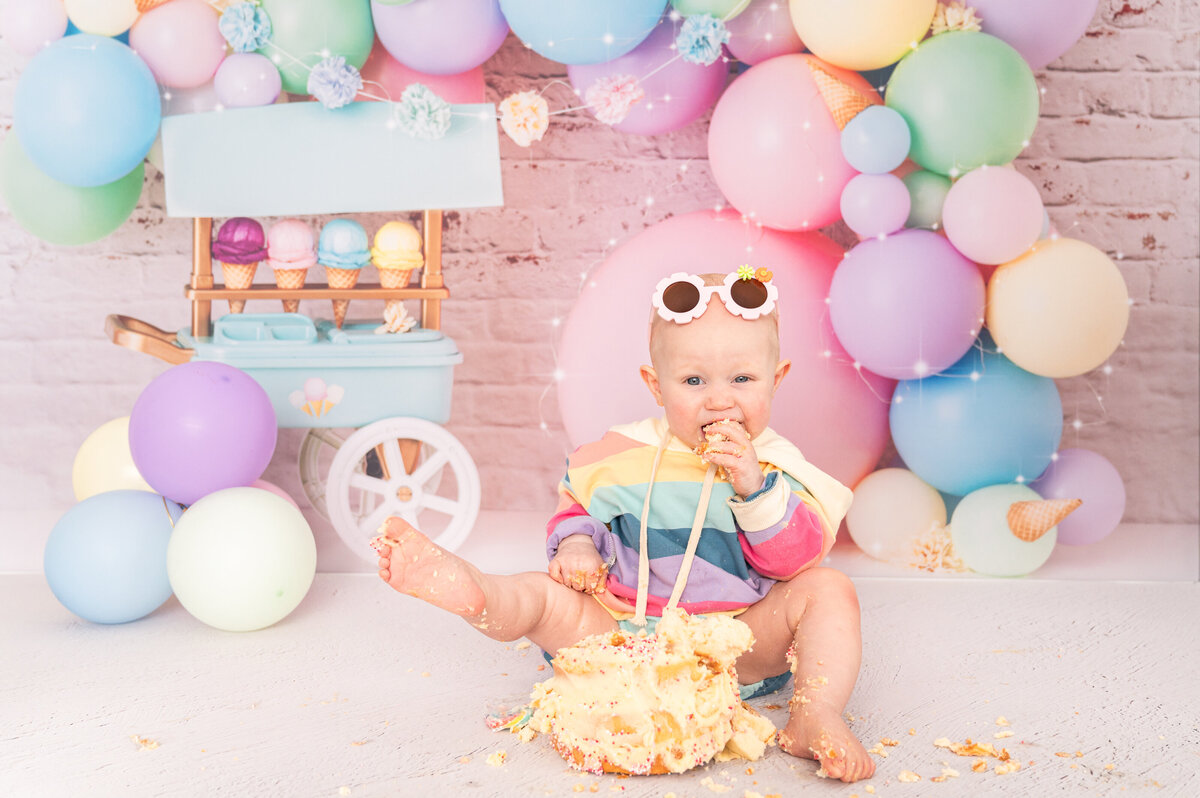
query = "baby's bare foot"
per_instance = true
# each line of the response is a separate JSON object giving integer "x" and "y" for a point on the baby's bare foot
{"x": 412, "y": 564}
{"x": 818, "y": 732}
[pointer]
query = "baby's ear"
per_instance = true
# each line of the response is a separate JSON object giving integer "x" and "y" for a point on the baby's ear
{"x": 781, "y": 370}
{"x": 650, "y": 377}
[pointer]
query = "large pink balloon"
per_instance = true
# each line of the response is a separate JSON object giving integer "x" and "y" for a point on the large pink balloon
{"x": 676, "y": 94}
{"x": 386, "y": 78}
{"x": 992, "y": 214}
{"x": 774, "y": 148}
{"x": 1040, "y": 31}
{"x": 835, "y": 414}
{"x": 180, "y": 42}
{"x": 764, "y": 30}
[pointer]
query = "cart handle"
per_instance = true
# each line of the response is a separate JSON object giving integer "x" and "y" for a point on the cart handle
{"x": 141, "y": 336}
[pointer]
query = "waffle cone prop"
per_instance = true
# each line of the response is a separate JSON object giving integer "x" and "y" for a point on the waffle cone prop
{"x": 843, "y": 100}
{"x": 148, "y": 5}
{"x": 1030, "y": 520}
{"x": 341, "y": 278}
{"x": 290, "y": 279}
{"x": 394, "y": 278}
{"x": 239, "y": 276}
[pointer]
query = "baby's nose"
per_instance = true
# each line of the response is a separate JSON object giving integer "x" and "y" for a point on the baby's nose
{"x": 720, "y": 398}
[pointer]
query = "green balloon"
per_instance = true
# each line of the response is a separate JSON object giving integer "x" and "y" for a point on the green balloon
{"x": 982, "y": 539}
{"x": 59, "y": 213}
{"x": 304, "y": 32}
{"x": 927, "y": 193}
{"x": 723, "y": 10}
{"x": 969, "y": 99}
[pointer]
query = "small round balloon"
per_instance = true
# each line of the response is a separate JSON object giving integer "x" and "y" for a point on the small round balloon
{"x": 876, "y": 140}
{"x": 103, "y": 462}
{"x": 982, "y": 539}
{"x": 992, "y": 215}
{"x": 441, "y": 37}
{"x": 241, "y": 559}
{"x": 305, "y": 32}
{"x": 582, "y": 31}
{"x": 983, "y": 421}
{"x": 1087, "y": 475}
{"x": 271, "y": 487}
{"x": 875, "y": 205}
{"x": 101, "y": 17}
{"x": 969, "y": 99}
{"x": 862, "y": 34}
{"x": 764, "y": 30}
{"x": 246, "y": 80}
{"x": 908, "y": 305}
{"x": 892, "y": 509}
{"x": 1059, "y": 310}
{"x": 180, "y": 42}
{"x": 56, "y": 212}
{"x": 106, "y": 558}
{"x": 87, "y": 110}
{"x": 200, "y": 427}
{"x": 385, "y": 78}
{"x": 29, "y": 25}
{"x": 927, "y": 195}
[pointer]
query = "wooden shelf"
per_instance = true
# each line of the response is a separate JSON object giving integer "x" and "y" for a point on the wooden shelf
{"x": 361, "y": 291}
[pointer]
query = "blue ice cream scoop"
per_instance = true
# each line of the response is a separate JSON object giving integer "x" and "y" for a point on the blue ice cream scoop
{"x": 343, "y": 245}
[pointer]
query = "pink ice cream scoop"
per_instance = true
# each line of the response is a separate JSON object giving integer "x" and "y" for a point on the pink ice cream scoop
{"x": 290, "y": 245}
{"x": 240, "y": 240}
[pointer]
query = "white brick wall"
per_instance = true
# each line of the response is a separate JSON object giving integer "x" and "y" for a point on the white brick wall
{"x": 1116, "y": 156}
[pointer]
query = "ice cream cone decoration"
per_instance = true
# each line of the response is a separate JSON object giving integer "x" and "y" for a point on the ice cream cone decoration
{"x": 290, "y": 253}
{"x": 396, "y": 254}
{"x": 1032, "y": 519}
{"x": 239, "y": 247}
{"x": 341, "y": 278}
{"x": 316, "y": 398}
{"x": 240, "y": 276}
{"x": 343, "y": 251}
{"x": 148, "y": 5}
{"x": 843, "y": 100}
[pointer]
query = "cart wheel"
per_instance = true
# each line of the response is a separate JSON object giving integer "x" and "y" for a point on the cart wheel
{"x": 406, "y": 467}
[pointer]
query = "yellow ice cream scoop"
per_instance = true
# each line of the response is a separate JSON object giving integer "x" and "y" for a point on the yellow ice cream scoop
{"x": 397, "y": 246}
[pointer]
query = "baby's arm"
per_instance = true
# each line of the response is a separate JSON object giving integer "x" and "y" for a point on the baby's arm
{"x": 781, "y": 535}
{"x": 579, "y": 548}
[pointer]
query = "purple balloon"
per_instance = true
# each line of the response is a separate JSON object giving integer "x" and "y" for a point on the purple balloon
{"x": 440, "y": 37}
{"x": 906, "y": 306}
{"x": 1083, "y": 474}
{"x": 1040, "y": 31}
{"x": 245, "y": 80}
{"x": 201, "y": 427}
{"x": 676, "y": 94}
{"x": 875, "y": 205}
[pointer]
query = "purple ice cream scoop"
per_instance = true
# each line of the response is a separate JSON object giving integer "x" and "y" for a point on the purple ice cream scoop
{"x": 240, "y": 240}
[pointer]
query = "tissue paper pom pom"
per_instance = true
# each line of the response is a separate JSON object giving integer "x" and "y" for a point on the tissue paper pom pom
{"x": 422, "y": 114}
{"x": 524, "y": 117}
{"x": 700, "y": 39}
{"x": 955, "y": 16}
{"x": 611, "y": 97}
{"x": 245, "y": 26}
{"x": 334, "y": 82}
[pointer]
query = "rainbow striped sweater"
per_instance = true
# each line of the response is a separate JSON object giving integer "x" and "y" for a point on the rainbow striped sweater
{"x": 745, "y": 546}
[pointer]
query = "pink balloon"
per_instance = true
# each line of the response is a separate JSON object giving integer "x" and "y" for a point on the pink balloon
{"x": 875, "y": 205}
{"x": 676, "y": 94}
{"x": 441, "y": 37}
{"x": 385, "y": 77}
{"x": 180, "y": 42}
{"x": 835, "y": 414}
{"x": 992, "y": 214}
{"x": 271, "y": 487}
{"x": 764, "y": 30}
{"x": 29, "y": 25}
{"x": 1084, "y": 474}
{"x": 774, "y": 148}
{"x": 1040, "y": 31}
{"x": 245, "y": 80}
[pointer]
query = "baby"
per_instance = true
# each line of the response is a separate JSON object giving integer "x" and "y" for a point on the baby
{"x": 763, "y": 526}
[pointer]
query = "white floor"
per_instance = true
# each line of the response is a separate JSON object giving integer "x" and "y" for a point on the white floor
{"x": 364, "y": 692}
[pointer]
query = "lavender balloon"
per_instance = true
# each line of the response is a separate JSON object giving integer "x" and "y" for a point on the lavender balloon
{"x": 245, "y": 80}
{"x": 1083, "y": 474}
{"x": 1038, "y": 30}
{"x": 676, "y": 94}
{"x": 201, "y": 427}
{"x": 440, "y": 37}
{"x": 875, "y": 205}
{"x": 906, "y": 306}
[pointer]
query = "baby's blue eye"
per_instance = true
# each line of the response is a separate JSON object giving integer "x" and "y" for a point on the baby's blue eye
{"x": 741, "y": 378}
{"x": 692, "y": 381}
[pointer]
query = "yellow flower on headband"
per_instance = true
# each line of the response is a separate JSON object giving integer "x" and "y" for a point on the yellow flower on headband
{"x": 764, "y": 275}
{"x": 744, "y": 272}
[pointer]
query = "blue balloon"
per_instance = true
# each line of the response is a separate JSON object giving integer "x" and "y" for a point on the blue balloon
{"x": 87, "y": 110}
{"x": 106, "y": 558}
{"x": 876, "y": 140}
{"x": 582, "y": 31}
{"x": 983, "y": 421}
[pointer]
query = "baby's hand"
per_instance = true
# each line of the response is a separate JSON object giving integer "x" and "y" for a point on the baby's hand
{"x": 578, "y": 565}
{"x": 736, "y": 455}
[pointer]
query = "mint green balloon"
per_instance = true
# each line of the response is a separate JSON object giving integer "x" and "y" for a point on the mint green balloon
{"x": 304, "y": 32}
{"x": 723, "y": 10}
{"x": 981, "y": 537}
{"x": 59, "y": 213}
{"x": 969, "y": 99}
{"x": 927, "y": 194}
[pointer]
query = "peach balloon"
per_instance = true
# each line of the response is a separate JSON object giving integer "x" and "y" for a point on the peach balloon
{"x": 101, "y": 17}
{"x": 862, "y": 34}
{"x": 181, "y": 43}
{"x": 385, "y": 77}
{"x": 1059, "y": 310}
{"x": 892, "y": 508}
{"x": 836, "y": 414}
{"x": 271, "y": 487}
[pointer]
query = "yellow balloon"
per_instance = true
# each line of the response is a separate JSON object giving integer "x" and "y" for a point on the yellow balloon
{"x": 892, "y": 508}
{"x": 1060, "y": 309}
{"x": 102, "y": 17}
{"x": 862, "y": 34}
{"x": 103, "y": 462}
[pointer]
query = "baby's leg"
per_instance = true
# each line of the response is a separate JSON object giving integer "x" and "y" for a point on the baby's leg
{"x": 812, "y": 624}
{"x": 502, "y": 607}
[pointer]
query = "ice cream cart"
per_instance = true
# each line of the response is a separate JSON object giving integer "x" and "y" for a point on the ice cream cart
{"x": 373, "y": 403}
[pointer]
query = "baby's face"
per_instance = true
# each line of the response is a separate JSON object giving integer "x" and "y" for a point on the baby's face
{"x": 715, "y": 367}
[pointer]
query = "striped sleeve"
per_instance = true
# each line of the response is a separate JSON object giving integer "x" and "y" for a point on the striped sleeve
{"x": 781, "y": 535}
